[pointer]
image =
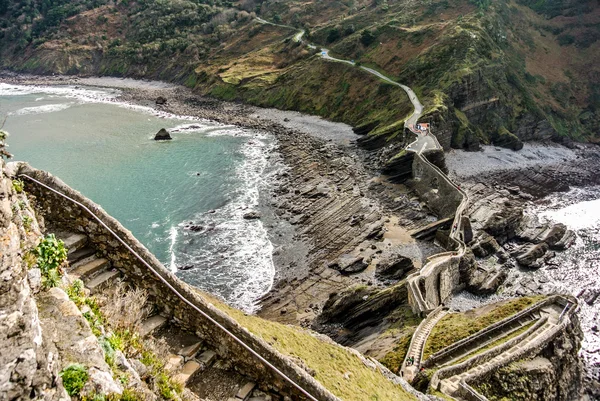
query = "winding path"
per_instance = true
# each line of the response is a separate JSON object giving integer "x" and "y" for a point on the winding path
{"x": 425, "y": 141}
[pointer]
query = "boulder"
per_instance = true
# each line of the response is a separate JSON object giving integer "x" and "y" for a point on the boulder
{"x": 394, "y": 267}
{"x": 349, "y": 264}
{"x": 529, "y": 254}
{"x": 161, "y": 100}
{"x": 162, "y": 135}
{"x": 100, "y": 382}
{"x": 252, "y": 215}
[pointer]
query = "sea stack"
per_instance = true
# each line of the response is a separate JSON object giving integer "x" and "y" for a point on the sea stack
{"x": 162, "y": 135}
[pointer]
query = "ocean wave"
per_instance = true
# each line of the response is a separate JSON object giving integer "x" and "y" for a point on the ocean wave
{"x": 49, "y": 108}
{"x": 84, "y": 94}
{"x": 237, "y": 261}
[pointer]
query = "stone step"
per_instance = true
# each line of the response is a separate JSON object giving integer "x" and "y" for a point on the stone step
{"x": 245, "y": 391}
{"x": 80, "y": 254}
{"x": 191, "y": 350}
{"x": 102, "y": 280}
{"x": 174, "y": 363}
{"x": 187, "y": 372}
{"x": 87, "y": 270}
{"x": 74, "y": 242}
{"x": 152, "y": 324}
{"x": 207, "y": 357}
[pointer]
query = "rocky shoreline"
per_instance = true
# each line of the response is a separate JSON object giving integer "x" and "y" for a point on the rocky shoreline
{"x": 341, "y": 231}
{"x": 331, "y": 221}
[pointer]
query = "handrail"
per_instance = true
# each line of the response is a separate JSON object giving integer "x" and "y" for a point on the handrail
{"x": 564, "y": 311}
{"x": 177, "y": 293}
{"x": 472, "y": 392}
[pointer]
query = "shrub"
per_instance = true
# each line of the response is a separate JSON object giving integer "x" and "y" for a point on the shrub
{"x": 51, "y": 253}
{"x": 367, "y": 37}
{"x": 75, "y": 292}
{"x": 18, "y": 186}
{"x": 74, "y": 378}
{"x": 27, "y": 220}
{"x": 333, "y": 35}
{"x": 566, "y": 39}
{"x": 52, "y": 278}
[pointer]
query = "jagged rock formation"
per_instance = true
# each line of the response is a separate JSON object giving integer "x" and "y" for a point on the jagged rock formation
{"x": 28, "y": 368}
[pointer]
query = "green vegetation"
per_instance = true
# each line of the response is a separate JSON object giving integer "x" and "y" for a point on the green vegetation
{"x": 456, "y": 326}
{"x": 457, "y": 55}
{"x": 27, "y": 221}
{"x": 18, "y": 185}
{"x": 394, "y": 359}
{"x": 115, "y": 320}
{"x": 496, "y": 343}
{"x": 330, "y": 362}
{"x": 74, "y": 378}
{"x": 50, "y": 255}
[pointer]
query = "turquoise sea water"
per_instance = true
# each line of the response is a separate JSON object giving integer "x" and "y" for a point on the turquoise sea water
{"x": 208, "y": 176}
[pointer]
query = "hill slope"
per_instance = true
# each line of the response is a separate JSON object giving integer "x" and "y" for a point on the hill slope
{"x": 499, "y": 73}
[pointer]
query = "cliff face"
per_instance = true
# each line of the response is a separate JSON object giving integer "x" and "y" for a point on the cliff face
{"x": 554, "y": 375}
{"x": 27, "y": 368}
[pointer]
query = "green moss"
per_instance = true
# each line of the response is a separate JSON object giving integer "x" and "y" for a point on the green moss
{"x": 18, "y": 186}
{"x": 224, "y": 91}
{"x": 456, "y": 326}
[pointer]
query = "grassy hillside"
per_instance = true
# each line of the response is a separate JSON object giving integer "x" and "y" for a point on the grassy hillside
{"x": 497, "y": 72}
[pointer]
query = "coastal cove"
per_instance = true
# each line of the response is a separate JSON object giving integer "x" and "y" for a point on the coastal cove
{"x": 185, "y": 199}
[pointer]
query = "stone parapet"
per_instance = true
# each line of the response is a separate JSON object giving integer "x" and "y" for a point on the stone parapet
{"x": 163, "y": 287}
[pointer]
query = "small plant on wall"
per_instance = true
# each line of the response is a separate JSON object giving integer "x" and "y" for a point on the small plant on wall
{"x": 51, "y": 255}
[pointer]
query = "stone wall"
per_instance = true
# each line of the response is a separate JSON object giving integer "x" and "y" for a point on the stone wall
{"x": 75, "y": 218}
{"x": 434, "y": 188}
{"x": 492, "y": 330}
{"x": 27, "y": 369}
{"x": 559, "y": 345}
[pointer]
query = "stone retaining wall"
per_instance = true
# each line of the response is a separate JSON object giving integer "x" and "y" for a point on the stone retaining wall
{"x": 462, "y": 345}
{"x": 479, "y": 359}
{"x": 72, "y": 217}
{"x": 441, "y": 196}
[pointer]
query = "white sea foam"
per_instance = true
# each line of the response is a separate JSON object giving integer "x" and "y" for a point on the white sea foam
{"x": 173, "y": 238}
{"x": 577, "y": 216}
{"x": 239, "y": 252}
{"x": 49, "y": 108}
{"x": 84, "y": 94}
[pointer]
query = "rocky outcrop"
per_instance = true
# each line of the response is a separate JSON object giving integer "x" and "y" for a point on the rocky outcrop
{"x": 394, "y": 267}
{"x": 162, "y": 135}
{"x": 359, "y": 311}
{"x": 348, "y": 264}
{"x": 27, "y": 367}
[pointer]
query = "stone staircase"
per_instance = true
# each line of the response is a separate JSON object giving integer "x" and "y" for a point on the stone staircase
{"x": 417, "y": 343}
{"x": 548, "y": 319}
{"x": 195, "y": 365}
{"x": 484, "y": 341}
